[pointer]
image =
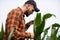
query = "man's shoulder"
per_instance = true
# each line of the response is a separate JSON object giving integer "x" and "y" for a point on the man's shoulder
{"x": 15, "y": 9}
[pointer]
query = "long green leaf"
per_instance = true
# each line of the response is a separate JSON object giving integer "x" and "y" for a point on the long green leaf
{"x": 45, "y": 32}
{"x": 56, "y": 25}
{"x": 36, "y": 24}
{"x": 10, "y": 35}
{"x": 37, "y": 21}
{"x": 48, "y": 15}
{"x": 42, "y": 26}
{"x": 2, "y": 33}
{"x": 54, "y": 35}
{"x": 54, "y": 32}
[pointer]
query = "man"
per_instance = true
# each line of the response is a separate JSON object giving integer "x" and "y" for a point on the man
{"x": 16, "y": 20}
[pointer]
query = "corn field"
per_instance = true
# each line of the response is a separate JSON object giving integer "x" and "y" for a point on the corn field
{"x": 38, "y": 29}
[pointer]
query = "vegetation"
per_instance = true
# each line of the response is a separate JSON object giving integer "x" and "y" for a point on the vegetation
{"x": 39, "y": 25}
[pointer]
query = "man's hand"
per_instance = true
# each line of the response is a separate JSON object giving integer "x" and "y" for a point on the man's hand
{"x": 32, "y": 35}
{"x": 29, "y": 35}
{"x": 28, "y": 24}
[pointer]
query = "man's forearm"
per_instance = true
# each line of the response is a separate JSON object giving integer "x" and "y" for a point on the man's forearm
{"x": 28, "y": 24}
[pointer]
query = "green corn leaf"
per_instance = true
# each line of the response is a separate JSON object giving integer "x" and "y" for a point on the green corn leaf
{"x": 10, "y": 35}
{"x": 56, "y": 25}
{"x": 36, "y": 24}
{"x": 37, "y": 21}
{"x": 48, "y": 15}
{"x": 42, "y": 26}
{"x": 37, "y": 37}
{"x": 45, "y": 32}
{"x": 2, "y": 33}
{"x": 54, "y": 33}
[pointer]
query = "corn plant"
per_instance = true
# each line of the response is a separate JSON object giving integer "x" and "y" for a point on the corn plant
{"x": 54, "y": 31}
{"x": 39, "y": 25}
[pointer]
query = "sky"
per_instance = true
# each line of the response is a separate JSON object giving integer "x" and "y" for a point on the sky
{"x": 45, "y": 6}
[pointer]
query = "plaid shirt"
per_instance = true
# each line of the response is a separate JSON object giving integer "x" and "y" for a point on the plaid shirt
{"x": 15, "y": 19}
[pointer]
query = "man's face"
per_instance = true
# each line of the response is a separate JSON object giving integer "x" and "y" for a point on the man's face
{"x": 30, "y": 10}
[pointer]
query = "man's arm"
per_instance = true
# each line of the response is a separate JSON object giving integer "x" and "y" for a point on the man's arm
{"x": 27, "y": 25}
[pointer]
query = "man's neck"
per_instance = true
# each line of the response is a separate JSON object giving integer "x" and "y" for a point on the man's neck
{"x": 23, "y": 9}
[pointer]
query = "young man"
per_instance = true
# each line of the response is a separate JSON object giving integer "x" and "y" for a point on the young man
{"x": 16, "y": 20}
